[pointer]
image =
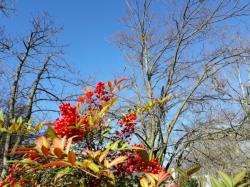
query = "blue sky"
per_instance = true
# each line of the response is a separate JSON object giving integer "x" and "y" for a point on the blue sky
{"x": 87, "y": 27}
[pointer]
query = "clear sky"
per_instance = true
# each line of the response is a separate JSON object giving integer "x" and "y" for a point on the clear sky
{"x": 87, "y": 27}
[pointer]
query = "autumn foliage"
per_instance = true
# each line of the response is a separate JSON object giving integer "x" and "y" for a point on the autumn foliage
{"x": 88, "y": 145}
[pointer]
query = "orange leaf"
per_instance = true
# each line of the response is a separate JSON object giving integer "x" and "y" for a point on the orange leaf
{"x": 163, "y": 176}
{"x": 45, "y": 150}
{"x": 24, "y": 152}
{"x": 109, "y": 84}
{"x": 58, "y": 152}
{"x": 103, "y": 155}
{"x": 51, "y": 164}
{"x": 72, "y": 158}
{"x": 24, "y": 149}
{"x": 121, "y": 80}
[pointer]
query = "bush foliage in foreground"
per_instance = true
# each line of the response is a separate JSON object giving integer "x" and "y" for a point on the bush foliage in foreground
{"x": 84, "y": 147}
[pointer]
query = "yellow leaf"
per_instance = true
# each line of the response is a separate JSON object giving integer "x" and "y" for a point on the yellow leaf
{"x": 94, "y": 167}
{"x": 38, "y": 126}
{"x": 151, "y": 178}
{"x": 106, "y": 163}
{"x": 86, "y": 163}
{"x": 144, "y": 182}
{"x": 14, "y": 127}
{"x": 97, "y": 153}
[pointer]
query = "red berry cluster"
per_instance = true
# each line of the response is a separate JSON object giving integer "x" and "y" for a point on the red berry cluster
{"x": 66, "y": 126}
{"x": 10, "y": 181}
{"x": 127, "y": 122}
{"x": 96, "y": 97}
{"x": 136, "y": 163}
{"x": 33, "y": 157}
{"x": 102, "y": 93}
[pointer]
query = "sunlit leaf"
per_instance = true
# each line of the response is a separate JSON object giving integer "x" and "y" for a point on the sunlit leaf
{"x": 1, "y": 116}
{"x": 41, "y": 141}
{"x": 86, "y": 163}
{"x": 162, "y": 177}
{"x": 94, "y": 167}
{"x": 226, "y": 179}
{"x": 103, "y": 155}
{"x": 144, "y": 182}
{"x": 38, "y": 126}
{"x": 117, "y": 161}
{"x": 151, "y": 178}
{"x": 216, "y": 183}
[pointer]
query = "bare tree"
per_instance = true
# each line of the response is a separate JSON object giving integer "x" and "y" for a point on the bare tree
{"x": 177, "y": 53}
{"x": 6, "y": 7}
{"x": 40, "y": 76}
{"x": 223, "y": 137}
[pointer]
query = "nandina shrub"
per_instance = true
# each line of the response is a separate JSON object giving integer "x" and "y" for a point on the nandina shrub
{"x": 84, "y": 147}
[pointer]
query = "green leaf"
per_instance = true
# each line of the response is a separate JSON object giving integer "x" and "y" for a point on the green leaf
{"x": 64, "y": 171}
{"x": 124, "y": 145}
{"x": 216, "y": 183}
{"x": 27, "y": 160}
{"x": 193, "y": 170}
{"x": 20, "y": 120}
{"x": 108, "y": 145}
{"x": 114, "y": 146}
{"x": 181, "y": 172}
{"x": 51, "y": 133}
{"x": 226, "y": 179}
{"x": 239, "y": 177}
{"x": 1, "y": 116}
